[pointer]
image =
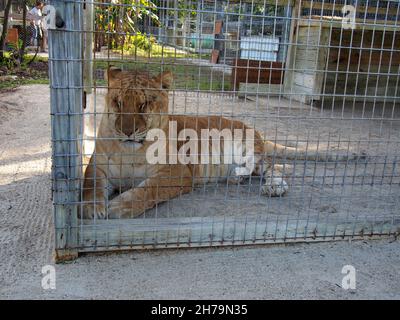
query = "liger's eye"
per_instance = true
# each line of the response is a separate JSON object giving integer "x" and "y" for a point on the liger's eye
{"x": 142, "y": 106}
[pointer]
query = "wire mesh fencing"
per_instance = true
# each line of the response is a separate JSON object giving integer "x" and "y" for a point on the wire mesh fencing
{"x": 183, "y": 123}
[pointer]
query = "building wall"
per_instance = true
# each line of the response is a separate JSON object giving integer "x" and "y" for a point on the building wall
{"x": 303, "y": 81}
{"x": 371, "y": 58}
{"x": 326, "y": 61}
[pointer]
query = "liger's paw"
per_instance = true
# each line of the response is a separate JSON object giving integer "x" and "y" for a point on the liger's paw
{"x": 275, "y": 187}
{"x": 122, "y": 207}
{"x": 90, "y": 211}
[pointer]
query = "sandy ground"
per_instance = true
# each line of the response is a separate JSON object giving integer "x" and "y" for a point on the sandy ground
{"x": 26, "y": 241}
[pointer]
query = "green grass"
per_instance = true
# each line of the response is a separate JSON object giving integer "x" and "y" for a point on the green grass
{"x": 11, "y": 84}
{"x": 27, "y": 58}
{"x": 35, "y": 73}
{"x": 156, "y": 51}
{"x": 160, "y": 51}
{"x": 186, "y": 76}
{"x": 159, "y": 58}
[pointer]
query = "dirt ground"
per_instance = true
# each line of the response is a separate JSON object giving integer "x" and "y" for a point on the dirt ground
{"x": 295, "y": 271}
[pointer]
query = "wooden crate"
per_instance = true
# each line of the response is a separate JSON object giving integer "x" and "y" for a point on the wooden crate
{"x": 252, "y": 71}
{"x": 12, "y": 36}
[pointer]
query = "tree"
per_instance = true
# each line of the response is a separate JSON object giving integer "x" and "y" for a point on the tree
{"x": 5, "y": 29}
{"x": 23, "y": 45}
{"x": 121, "y": 23}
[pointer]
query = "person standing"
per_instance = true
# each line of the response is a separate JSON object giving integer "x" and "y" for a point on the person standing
{"x": 35, "y": 15}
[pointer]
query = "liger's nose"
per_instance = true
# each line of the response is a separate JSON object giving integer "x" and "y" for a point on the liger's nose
{"x": 128, "y": 132}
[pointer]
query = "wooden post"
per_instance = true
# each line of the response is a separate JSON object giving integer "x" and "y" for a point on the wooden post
{"x": 88, "y": 47}
{"x": 290, "y": 53}
{"x": 66, "y": 96}
{"x": 321, "y": 61}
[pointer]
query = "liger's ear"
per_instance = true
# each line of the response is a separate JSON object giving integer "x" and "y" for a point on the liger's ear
{"x": 165, "y": 79}
{"x": 112, "y": 73}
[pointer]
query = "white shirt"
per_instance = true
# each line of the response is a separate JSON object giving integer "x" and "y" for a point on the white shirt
{"x": 36, "y": 16}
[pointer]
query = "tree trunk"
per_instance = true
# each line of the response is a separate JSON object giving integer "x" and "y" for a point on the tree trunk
{"x": 22, "y": 49}
{"x": 5, "y": 28}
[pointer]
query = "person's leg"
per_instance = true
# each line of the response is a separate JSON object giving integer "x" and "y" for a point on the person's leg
{"x": 30, "y": 35}
{"x": 34, "y": 35}
{"x": 41, "y": 37}
{"x": 45, "y": 46}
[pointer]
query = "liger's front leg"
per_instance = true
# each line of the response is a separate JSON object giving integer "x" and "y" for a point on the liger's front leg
{"x": 95, "y": 192}
{"x": 169, "y": 183}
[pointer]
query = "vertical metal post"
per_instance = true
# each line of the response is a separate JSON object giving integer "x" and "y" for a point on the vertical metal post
{"x": 65, "y": 65}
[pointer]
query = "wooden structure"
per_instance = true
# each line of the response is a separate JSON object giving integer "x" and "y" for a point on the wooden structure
{"x": 12, "y": 36}
{"x": 251, "y": 71}
{"x": 326, "y": 61}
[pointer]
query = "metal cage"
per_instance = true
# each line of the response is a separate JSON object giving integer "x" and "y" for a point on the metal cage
{"x": 318, "y": 77}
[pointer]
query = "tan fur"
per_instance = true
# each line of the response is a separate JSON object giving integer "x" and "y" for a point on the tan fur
{"x": 136, "y": 103}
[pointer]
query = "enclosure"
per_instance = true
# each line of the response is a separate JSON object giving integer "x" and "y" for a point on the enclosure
{"x": 320, "y": 77}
